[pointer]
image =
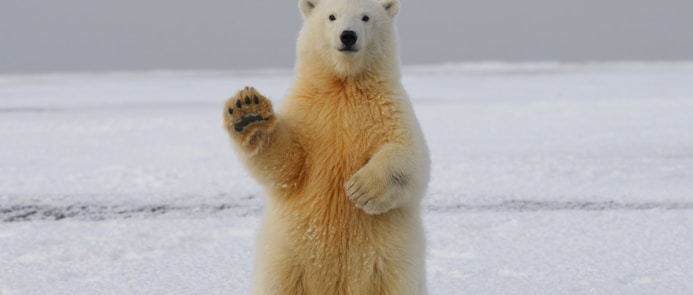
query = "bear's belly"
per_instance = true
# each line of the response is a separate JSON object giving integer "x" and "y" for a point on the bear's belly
{"x": 326, "y": 244}
{"x": 332, "y": 247}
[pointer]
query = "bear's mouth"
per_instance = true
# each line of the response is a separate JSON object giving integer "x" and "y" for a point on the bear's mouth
{"x": 348, "y": 49}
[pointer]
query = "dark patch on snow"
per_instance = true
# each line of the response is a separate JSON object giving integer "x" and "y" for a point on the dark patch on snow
{"x": 252, "y": 206}
{"x": 531, "y": 206}
{"x": 95, "y": 212}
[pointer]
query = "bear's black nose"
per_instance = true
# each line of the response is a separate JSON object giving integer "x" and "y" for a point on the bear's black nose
{"x": 348, "y": 38}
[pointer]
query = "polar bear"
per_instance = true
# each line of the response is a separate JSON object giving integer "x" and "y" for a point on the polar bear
{"x": 343, "y": 161}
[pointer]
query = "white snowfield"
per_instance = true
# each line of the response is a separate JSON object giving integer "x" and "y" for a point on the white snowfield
{"x": 547, "y": 178}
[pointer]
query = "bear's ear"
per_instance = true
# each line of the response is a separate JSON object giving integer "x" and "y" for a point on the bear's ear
{"x": 306, "y": 6}
{"x": 391, "y": 6}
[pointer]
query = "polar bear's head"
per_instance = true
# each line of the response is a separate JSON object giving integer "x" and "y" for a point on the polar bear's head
{"x": 347, "y": 37}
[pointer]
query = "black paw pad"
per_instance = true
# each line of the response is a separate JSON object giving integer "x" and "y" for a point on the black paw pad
{"x": 247, "y": 100}
{"x": 230, "y": 111}
{"x": 247, "y": 120}
{"x": 238, "y": 104}
{"x": 256, "y": 99}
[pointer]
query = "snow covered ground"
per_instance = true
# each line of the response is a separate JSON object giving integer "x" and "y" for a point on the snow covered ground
{"x": 547, "y": 179}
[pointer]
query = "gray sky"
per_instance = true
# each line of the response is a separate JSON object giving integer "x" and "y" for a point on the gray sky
{"x": 106, "y": 35}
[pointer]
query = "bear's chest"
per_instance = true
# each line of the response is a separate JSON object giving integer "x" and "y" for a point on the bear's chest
{"x": 347, "y": 130}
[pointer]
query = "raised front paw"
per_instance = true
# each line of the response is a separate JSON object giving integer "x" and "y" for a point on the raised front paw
{"x": 248, "y": 111}
{"x": 373, "y": 193}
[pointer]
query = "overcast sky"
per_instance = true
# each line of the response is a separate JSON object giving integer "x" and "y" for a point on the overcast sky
{"x": 108, "y": 35}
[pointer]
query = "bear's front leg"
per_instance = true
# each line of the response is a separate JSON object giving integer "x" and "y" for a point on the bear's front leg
{"x": 248, "y": 118}
{"x": 265, "y": 141}
{"x": 384, "y": 182}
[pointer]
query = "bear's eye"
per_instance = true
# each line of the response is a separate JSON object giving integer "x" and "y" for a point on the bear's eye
{"x": 332, "y": 18}
{"x": 365, "y": 18}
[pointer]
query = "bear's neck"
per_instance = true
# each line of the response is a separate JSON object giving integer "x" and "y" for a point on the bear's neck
{"x": 379, "y": 75}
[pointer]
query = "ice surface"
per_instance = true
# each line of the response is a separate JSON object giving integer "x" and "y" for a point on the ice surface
{"x": 547, "y": 178}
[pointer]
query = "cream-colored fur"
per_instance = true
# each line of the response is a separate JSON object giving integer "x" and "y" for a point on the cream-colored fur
{"x": 343, "y": 161}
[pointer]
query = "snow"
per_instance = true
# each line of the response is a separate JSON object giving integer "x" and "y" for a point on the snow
{"x": 547, "y": 178}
